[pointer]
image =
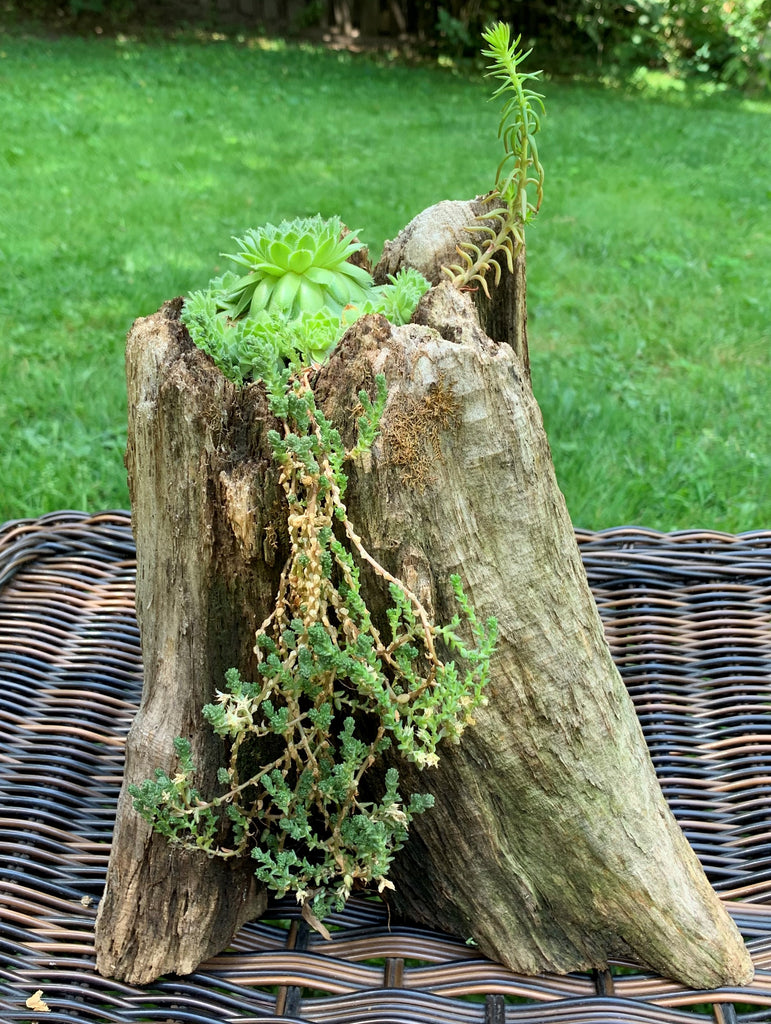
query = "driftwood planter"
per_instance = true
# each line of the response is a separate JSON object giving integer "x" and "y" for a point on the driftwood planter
{"x": 550, "y": 842}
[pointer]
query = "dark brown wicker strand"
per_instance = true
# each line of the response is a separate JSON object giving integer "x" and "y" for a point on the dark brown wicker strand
{"x": 688, "y": 618}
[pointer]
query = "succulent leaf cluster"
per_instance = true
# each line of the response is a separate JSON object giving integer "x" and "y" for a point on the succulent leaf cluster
{"x": 520, "y": 122}
{"x": 298, "y": 299}
{"x": 299, "y": 266}
{"x": 246, "y": 349}
{"x": 396, "y": 300}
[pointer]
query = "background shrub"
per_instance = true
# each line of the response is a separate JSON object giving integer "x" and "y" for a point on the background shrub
{"x": 728, "y": 41}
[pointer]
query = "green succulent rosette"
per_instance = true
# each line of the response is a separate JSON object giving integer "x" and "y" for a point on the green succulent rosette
{"x": 297, "y": 266}
{"x": 293, "y": 306}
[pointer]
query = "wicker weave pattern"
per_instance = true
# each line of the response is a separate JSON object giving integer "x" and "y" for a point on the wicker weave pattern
{"x": 688, "y": 617}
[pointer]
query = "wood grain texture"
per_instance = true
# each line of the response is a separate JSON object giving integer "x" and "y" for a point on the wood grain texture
{"x": 550, "y": 842}
{"x": 430, "y": 242}
{"x": 202, "y": 493}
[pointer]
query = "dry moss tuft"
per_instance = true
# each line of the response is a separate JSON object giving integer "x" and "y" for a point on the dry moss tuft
{"x": 412, "y": 433}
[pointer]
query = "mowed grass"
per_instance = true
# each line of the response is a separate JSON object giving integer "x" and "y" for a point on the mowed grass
{"x": 127, "y": 167}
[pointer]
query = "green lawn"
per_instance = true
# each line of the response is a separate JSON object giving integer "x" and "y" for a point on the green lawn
{"x": 125, "y": 168}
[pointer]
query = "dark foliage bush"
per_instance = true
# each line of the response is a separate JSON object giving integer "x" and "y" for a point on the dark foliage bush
{"x": 728, "y": 41}
{"x": 73, "y": 14}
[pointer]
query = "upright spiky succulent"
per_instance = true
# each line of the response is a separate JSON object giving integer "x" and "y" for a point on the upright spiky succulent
{"x": 295, "y": 267}
{"x": 518, "y": 191}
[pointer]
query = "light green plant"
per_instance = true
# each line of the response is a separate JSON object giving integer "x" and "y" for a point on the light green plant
{"x": 298, "y": 266}
{"x": 234, "y": 330}
{"x": 396, "y": 300}
{"x": 518, "y": 191}
{"x": 239, "y": 347}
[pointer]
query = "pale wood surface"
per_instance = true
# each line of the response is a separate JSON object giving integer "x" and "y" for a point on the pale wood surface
{"x": 550, "y": 843}
{"x": 201, "y": 488}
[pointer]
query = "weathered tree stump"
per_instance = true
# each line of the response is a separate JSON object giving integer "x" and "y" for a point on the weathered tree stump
{"x": 204, "y": 497}
{"x": 550, "y": 842}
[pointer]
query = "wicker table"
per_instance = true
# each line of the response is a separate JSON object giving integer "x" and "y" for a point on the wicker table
{"x": 688, "y": 617}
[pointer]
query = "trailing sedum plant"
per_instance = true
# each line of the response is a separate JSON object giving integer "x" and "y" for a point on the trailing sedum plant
{"x": 333, "y": 692}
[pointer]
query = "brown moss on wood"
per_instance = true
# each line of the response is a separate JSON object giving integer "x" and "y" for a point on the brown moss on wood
{"x": 412, "y": 432}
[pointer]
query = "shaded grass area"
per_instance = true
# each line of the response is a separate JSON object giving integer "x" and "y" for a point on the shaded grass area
{"x": 126, "y": 167}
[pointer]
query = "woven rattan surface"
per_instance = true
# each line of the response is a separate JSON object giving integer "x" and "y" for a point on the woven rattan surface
{"x": 688, "y": 618}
